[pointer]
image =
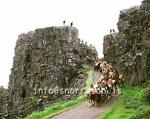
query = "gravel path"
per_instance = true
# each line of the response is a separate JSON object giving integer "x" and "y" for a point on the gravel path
{"x": 82, "y": 111}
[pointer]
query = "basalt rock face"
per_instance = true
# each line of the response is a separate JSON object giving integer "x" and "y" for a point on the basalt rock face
{"x": 129, "y": 49}
{"x": 3, "y": 101}
{"x": 46, "y": 58}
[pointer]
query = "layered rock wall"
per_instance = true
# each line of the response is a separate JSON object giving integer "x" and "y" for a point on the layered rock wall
{"x": 45, "y": 58}
{"x": 129, "y": 49}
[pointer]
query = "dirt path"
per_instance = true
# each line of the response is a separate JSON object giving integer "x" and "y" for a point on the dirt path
{"x": 96, "y": 75}
{"x": 82, "y": 111}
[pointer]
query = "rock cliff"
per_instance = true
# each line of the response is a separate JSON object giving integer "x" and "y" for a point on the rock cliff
{"x": 3, "y": 100}
{"x": 46, "y": 58}
{"x": 129, "y": 49}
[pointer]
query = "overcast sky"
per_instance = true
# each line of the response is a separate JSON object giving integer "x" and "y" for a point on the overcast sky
{"x": 93, "y": 18}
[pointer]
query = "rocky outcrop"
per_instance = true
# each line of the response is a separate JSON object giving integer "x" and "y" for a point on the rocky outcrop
{"x": 129, "y": 49}
{"x": 46, "y": 58}
{"x": 3, "y": 101}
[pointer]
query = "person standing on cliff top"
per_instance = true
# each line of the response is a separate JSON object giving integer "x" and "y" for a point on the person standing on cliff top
{"x": 71, "y": 24}
{"x": 110, "y": 31}
{"x": 64, "y": 22}
{"x": 113, "y": 30}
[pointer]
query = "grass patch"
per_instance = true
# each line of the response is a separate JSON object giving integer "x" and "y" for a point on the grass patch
{"x": 62, "y": 106}
{"x": 56, "y": 108}
{"x": 128, "y": 104}
{"x": 90, "y": 79}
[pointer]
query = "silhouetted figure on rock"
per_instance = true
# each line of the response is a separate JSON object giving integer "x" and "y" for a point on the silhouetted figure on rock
{"x": 64, "y": 22}
{"x": 71, "y": 24}
{"x": 110, "y": 31}
{"x": 82, "y": 42}
{"x": 113, "y": 31}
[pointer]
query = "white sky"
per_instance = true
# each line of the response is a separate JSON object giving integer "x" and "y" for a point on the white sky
{"x": 93, "y": 18}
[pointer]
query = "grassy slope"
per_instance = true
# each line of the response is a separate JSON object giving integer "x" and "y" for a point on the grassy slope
{"x": 119, "y": 110}
{"x": 60, "y": 107}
